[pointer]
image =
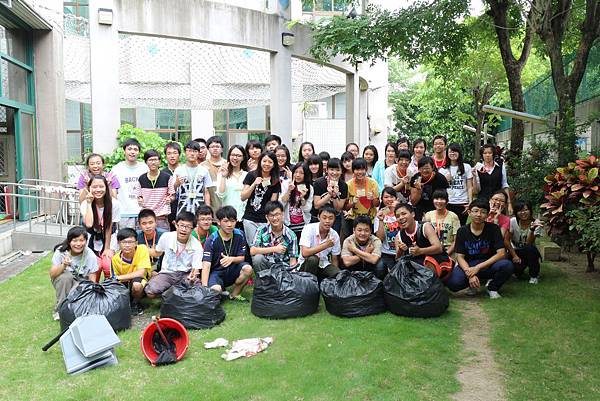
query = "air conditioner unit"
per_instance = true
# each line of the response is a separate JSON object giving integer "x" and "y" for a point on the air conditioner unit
{"x": 6, "y": 3}
{"x": 316, "y": 110}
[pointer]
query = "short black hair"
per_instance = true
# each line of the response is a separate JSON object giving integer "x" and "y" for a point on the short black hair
{"x": 132, "y": 141}
{"x": 125, "y": 233}
{"x": 193, "y": 145}
{"x": 146, "y": 213}
{"x": 226, "y": 212}
{"x": 271, "y": 138}
{"x": 403, "y": 139}
{"x": 200, "y": 140}
{"x": 362, "y": 219}
{"x": 325, "y": 156}
{"x": 442, "y": 137}
{"x": 173, "y": 145}
{"x": 334, "y": 162}
{"x": 328, "y": 209}
{"x": 405, "y": 205}
{"x": 359, "y": 164}
{"x": 272, "y": 206}
{"x": 480, "y": 203}
{"x": 440, "y": 193}
{"x": 204, "y": 210}
{"x": 390, "y": 191}
{"x": 404, "y": 154}
{"x": 426, "y": 160}
{"x": 186, "y": 216}
{"x": 151, "y": 153}
{"x": 214, "y": 139}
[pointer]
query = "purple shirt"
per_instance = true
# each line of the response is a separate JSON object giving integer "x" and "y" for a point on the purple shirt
{"x": 85, "y": 177}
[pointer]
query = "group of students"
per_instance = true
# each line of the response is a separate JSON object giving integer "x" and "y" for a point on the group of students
{"x": 218, "y": 220}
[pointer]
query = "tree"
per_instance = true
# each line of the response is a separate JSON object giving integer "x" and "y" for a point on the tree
{"x": 434, "y": 33}
{"x": 558, "y": 22}
{"x": 511, "y": 21}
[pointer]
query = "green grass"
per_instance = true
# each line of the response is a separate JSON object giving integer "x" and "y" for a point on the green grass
{"x": 546, "y": 337}
{"x": 320, "y": 357}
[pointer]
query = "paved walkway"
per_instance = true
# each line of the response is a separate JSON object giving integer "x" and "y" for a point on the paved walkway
{"x": 11, "y": 267}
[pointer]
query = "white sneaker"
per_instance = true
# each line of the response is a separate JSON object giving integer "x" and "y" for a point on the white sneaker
{"x": 472, "y": 291}
{"x": 534, "y": 280}
{"x": 494, "y": 294}
{"x": 55, "y": 316}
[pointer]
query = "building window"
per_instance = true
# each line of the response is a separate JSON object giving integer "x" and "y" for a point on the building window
{"x": 170, "y": 124}
{"x": 324, "y": 7}
{"x": 78, "y": 8}
{"x": 78, "y": 121}
{"x": 238, "y": 126}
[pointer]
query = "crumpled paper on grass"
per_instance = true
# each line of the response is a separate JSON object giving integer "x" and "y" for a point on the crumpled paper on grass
{"x": 247, "y": 347}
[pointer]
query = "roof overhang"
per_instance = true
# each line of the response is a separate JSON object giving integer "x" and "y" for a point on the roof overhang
{"x": 22, "y": 15}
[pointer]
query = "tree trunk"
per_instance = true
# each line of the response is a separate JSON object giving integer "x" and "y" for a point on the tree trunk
{"x": 590, "y": 262}
{"x": 513, "y": 68}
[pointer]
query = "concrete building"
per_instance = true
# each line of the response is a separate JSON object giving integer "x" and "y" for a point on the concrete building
{"x": 70, "y": 79}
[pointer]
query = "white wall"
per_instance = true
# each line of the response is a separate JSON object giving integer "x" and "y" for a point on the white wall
{"x": 202, "y": 124}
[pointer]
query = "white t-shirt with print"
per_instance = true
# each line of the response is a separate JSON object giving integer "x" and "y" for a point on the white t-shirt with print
{"x": 128, "y": 177}
{"x": 457, "y": 191}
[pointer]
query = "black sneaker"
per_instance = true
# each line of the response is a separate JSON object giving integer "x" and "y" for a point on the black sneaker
{"x": 136, "y": 309}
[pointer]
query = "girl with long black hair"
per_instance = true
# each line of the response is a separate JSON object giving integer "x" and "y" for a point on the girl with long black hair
{"x": 260, "y": 186}
{"x": 460, "y": 178}
{"x": 297, "y": 199}
{"x": 101, "y": 213}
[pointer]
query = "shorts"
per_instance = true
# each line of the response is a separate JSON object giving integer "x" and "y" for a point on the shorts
{"x": 225, "y": 276}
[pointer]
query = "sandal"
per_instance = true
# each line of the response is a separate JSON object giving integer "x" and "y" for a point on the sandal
{"x": 238, "y": 298}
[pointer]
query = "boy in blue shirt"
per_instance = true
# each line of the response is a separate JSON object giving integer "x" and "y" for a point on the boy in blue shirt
{"x": 223, "y": 262}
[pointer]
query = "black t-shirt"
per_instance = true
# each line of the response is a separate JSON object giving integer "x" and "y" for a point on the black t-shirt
{"x": 320, "y": 188}
{"x": 481, "y": 247}
{"x": 426, "y": 202}
{"x": 162, "y": 181}
{"x": 255, "y": 206}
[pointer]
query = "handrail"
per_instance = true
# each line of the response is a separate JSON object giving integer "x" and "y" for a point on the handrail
{"x": 33, "y": 200}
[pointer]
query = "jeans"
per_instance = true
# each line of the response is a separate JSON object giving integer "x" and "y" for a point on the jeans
{"x": 499, "y": 273}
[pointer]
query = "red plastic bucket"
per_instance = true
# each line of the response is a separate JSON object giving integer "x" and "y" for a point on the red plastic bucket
{"x": 181, "y": 343}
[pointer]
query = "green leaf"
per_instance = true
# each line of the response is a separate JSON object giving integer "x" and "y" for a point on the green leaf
{"x": 592, "y": 174}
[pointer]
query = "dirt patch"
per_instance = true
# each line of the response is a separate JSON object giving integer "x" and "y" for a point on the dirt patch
{"x": 575, "y": 265}
{"x": 479, "y": 375}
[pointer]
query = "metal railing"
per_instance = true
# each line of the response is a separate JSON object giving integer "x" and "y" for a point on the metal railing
{"x": 30, "y": 202}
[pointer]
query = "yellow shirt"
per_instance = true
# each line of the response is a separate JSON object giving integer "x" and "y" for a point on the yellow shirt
{"x": 363, "y": 206}
{"x": 141, "y": 260}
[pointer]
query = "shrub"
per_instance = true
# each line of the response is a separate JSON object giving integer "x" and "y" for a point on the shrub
{"x": 576, "y": 186}
{"x": 586, "y": 223}
{"x": 528, "y": 172}
{"x": 148, "y": 140}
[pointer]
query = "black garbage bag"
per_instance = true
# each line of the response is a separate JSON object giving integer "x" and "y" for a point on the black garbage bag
{"x": 281, "y": 294}
{"x": 109, "y": 298}
{"x": 411, "y": 289}
{"x": 353, "y": 294}
{"x": 193, "y": 305}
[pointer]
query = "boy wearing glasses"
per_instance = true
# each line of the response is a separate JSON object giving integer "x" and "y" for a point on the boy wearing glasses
{"x": 131, "y": 266}
{"x": 155, "y": 189}
{"x": 182, "y": 256}
{"x": 274, "y": 243}
{"x": 223, "y": 263}
{"x": 204, "y": 226}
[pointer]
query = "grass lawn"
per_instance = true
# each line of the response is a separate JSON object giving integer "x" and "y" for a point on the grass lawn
{"x": 547, "y": 337}
{"x": 320, "y": 357}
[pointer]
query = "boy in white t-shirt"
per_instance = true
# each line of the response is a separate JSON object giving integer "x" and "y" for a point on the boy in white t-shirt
{"x": 192, "y": 181}
{"x": 320, "y": 246}
{"x": 128, "y": 173}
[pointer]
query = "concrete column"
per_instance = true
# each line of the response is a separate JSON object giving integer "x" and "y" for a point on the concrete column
{"x": 50, "y": 98}
{"x": 281, "y": 95}
{"x": 352, "y": 108}
{"x": 104, "y": 57}
{"x": 202, "y": 124}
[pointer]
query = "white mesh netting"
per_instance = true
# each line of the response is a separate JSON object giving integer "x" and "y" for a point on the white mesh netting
{"x": 173, "y": 73}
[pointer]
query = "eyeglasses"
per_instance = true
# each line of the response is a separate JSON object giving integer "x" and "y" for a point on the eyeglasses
{"x": 185, "y": 226}
{"x": 215, "y": 146}
{"x": 128, "y": 242}
{"x": 236, "y": 155}
{"x": 278, "y": 214}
